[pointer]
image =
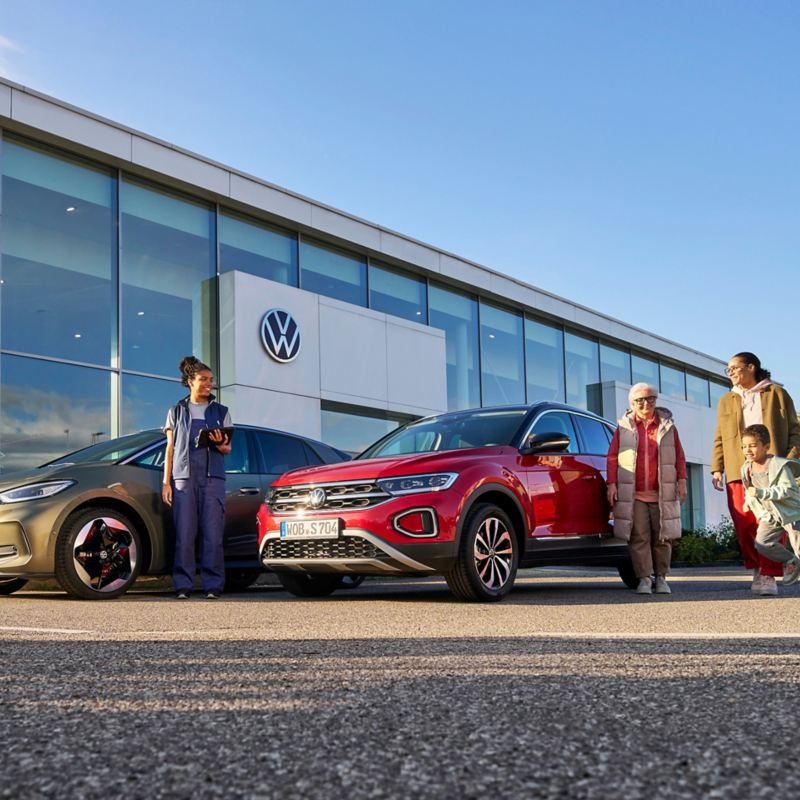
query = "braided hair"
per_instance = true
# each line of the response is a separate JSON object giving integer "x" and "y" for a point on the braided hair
{"x": 189, "y": 367}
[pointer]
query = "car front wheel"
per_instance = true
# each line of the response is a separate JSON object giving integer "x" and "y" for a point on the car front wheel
{"x": 301, "y": 584}
{"x": 487, "y": 556}
{"x": 97, "y": 554}
{"x": 11, "y": 585}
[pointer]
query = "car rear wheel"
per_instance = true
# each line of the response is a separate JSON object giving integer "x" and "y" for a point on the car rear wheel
{"x": 487, "y": 556}
{"x": 11, "y": 585}
{"x": 301, "y": 584}
{"x": 236, "y": 580}
{"x": 97, "y": 554}
{"x": 628, "y": 575}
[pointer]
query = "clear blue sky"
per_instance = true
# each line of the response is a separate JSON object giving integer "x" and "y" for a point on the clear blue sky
{"x": 641, "y": 158}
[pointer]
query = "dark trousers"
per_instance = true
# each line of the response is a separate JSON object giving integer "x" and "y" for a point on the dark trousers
{"x": 198, "y": 508}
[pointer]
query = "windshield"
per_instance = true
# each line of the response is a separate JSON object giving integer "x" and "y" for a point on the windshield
{"x": 451, "y": 432}
{"x": 112, "y": 450}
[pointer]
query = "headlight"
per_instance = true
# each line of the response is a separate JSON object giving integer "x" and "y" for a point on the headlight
{"x": 34, "y": 491}
{"x": 412, "y": 484}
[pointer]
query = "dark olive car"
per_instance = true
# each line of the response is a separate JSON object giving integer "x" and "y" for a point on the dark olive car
{"x": 95, "y": 520}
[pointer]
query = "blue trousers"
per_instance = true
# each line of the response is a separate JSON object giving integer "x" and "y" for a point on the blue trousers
{"x": 198, "y": 507}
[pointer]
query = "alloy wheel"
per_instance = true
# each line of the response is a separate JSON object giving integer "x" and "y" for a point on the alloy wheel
{"x": 104, "y": 554}
{"x": 493, "y": 553}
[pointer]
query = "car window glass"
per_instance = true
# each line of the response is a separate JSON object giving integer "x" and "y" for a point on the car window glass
{"x": 238, "y": 460}
{"x": 152, "y": 459}
{"x": 593, "y": 433}
{"x": 320, "y": 453}
{"x": 281, "y": 453}
{"x": 557, "y": 422}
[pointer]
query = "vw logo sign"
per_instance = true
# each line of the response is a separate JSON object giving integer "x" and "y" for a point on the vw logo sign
{"x": 316, "y": 498}
{"x": 280, "y": 334}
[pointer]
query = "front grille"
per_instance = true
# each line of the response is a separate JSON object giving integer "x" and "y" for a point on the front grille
{"x": 349, "y": 547}
{"x": 338, "y": 497}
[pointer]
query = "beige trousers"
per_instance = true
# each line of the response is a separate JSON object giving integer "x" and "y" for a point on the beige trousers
{"x": 649, "y": 556}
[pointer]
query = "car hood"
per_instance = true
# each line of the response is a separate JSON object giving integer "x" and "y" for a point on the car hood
{"x": 388, "y": 467}
{"x": 53, "y": 472}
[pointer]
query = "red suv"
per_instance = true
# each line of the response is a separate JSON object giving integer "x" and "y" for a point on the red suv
{"x": 471, "y": 495}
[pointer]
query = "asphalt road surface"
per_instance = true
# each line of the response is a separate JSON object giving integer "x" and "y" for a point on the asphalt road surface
{"x": 574, "y": 687}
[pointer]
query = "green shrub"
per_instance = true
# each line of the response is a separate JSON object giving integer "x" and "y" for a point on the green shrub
{"x": 710, "y": 543}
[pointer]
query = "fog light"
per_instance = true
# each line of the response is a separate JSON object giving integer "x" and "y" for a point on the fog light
{"x": 417, "y": 522}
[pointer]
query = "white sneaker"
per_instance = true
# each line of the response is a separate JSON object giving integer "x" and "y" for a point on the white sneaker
{"x": 644, "y": 587}
{"x": 791, "y": 572}
{"x": 662, "y": 587}
{"x": 758, "y": 582}
{"x": 768, "y": 586}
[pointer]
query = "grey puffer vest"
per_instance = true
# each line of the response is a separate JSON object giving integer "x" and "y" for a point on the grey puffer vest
{"x": 215, "y": 418}
{"x": 668, "y": 503}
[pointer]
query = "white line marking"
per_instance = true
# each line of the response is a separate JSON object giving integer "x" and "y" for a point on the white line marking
{"x": 43, "y": 630}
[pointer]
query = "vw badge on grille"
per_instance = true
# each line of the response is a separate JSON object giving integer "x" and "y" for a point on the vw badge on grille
{"x": 280, "y": 334}
{"x": 316, "y": 498}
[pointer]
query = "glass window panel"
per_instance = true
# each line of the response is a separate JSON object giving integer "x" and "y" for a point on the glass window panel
{"x": 353, "y": 433}
{"x": 168, "y": 297}
{"x": 58, "y": 291}
{"x": 673, "y": 382}
{"x": 544, "y": 356}
{"x": 333, "y": 272}
{"x": 557, "y": 422}
{"x": 594, "y": 436}
{"x": 502, "y": 358}
{"x": 583, "y": 372}
{"x": 257, "y": 248}
{"x": 457, "y": 315}
{"x": 717, "y": 390}
{"x": 644, "y": 370}
{"x": 238, "y": 462}
{"x": 280, "y": 453}
{"x": 48, "y": 409}
{"x": 397, "y": 293}
{"x": 145, "y": 402}
{"x": 697, "y": 389}
{"x": 615, "y": 364}
{"x": 693, "y": 509}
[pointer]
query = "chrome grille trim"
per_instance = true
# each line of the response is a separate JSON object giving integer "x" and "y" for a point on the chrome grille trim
{"x": 340, "y": 496}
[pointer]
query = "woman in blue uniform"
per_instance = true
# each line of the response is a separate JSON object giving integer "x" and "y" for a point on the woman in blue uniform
{"x": 194, "y": 480}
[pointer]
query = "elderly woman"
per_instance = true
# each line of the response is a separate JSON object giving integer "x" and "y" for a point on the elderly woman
{"x": 753, "y": 400}
{"x": 646, "y": 486}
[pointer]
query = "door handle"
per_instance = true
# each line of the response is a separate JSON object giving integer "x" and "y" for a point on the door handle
{"x": 249, "y": 490}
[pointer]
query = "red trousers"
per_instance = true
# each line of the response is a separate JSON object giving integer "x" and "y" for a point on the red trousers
{"x": 746, "y": 525}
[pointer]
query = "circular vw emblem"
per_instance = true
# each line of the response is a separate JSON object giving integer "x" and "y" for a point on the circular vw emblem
{"x": 316, "y": 498}
{"x": 280, "y": 334}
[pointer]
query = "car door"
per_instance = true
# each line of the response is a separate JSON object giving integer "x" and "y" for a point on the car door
{"x": 279, "y": 453}
{"x": 562, "y": 486}
{"x": 243, "y": 496}
{"x": 595, "y": 438}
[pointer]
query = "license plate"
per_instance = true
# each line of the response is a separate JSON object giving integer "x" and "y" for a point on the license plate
{"x": 322, "y": 528}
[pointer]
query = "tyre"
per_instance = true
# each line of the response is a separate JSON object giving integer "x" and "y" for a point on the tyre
{"x": 236, "y": 580}
{"x": 301, "y": 584}
{"x": 488, "y": 555}
{"x": 97, "y": 554}
{"x": 627, "y": 574}
{"x": 11, "y": 585}
{"x": 350, "y": 581}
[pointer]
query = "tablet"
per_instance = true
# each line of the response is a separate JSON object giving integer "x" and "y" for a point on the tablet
{"x": 204, "y": 441}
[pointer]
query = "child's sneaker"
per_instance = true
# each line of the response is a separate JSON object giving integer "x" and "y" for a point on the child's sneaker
{"x": 791, "y": 572}
{"x": 768, "y": 586}
{"x": 758, "y": 582}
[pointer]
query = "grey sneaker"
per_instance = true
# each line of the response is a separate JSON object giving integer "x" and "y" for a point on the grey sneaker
{"x": 182, "y": 595}
{"x": 758, "y": 582}
{"x": 768, "y": 586}
{"x": 662, "y": 587}
{"x": 644, "y": 587}
{"x": 791, "y": 572}
{"x": 212, "y": 595}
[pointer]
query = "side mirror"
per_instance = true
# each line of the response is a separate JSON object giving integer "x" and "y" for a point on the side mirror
{"x": 547, "y": 442}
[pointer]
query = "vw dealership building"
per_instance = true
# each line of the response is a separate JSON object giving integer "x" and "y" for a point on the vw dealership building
{"x": 122, "y": 253}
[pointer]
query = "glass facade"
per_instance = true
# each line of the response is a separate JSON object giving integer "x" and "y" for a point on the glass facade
{"x": 502, "y": 357}
{"x": 353, "y": 432}
{"x": 583, "y": 372}
{"x": 457, "y": 315}
{"x": 107, "y": 281}
{"x": 544, "y": 361}
{"x": 333, "y": 272}
{"x": 398, "y": 293}
{"x": 257, "y": 248}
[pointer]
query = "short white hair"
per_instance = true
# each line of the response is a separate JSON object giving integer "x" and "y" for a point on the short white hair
{"x": 641, "y": 387}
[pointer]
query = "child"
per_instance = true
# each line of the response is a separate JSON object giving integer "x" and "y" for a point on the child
{"x": 773, "y": 496}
